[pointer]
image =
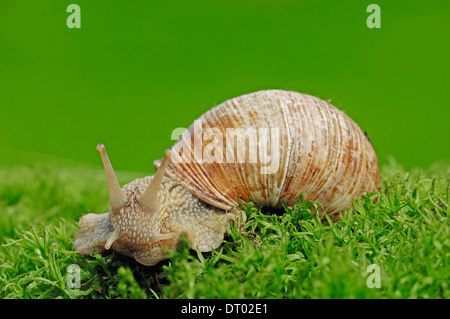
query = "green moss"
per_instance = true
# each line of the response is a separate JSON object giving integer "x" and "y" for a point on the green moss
{"x": 403, "y": 229}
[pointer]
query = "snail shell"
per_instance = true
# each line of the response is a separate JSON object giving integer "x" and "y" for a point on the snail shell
{"x": 321, "y": 153}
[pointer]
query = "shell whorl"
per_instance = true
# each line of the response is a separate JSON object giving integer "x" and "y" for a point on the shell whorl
{"x": 319, "y": 152}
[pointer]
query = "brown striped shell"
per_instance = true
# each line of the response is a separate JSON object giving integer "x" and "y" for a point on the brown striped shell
{"x": 319, "y": 152}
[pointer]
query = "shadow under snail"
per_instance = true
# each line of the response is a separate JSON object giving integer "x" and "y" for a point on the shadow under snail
{"x": 318, "y": 151}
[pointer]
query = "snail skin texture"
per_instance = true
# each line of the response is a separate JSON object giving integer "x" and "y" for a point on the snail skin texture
{"x": 315, "y": 150}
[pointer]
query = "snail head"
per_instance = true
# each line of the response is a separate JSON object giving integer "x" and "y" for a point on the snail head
{"x": 128, "y": 226}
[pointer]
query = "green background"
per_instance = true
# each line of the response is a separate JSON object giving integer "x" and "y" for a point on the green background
{"x": 136, "y": 70}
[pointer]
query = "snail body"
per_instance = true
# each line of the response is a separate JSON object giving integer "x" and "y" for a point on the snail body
{"x": 268, "y": 146}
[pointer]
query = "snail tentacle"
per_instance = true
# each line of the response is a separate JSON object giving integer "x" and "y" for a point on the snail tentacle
{"x": 149, "y": 200}
{"x": 116, "y": 197}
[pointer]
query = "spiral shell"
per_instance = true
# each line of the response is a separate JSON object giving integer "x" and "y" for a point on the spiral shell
{"x": 316, "y": 150}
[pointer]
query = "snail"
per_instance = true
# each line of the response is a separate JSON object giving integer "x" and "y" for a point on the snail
{"x": 269, "y": 147}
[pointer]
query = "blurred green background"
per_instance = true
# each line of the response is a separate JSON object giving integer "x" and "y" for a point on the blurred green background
{"x": 136, "y": 70}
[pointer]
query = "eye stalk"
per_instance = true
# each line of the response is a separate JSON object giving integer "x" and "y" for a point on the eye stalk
{"x": 149, "y": 200}
{"x": 116, "y": 198}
